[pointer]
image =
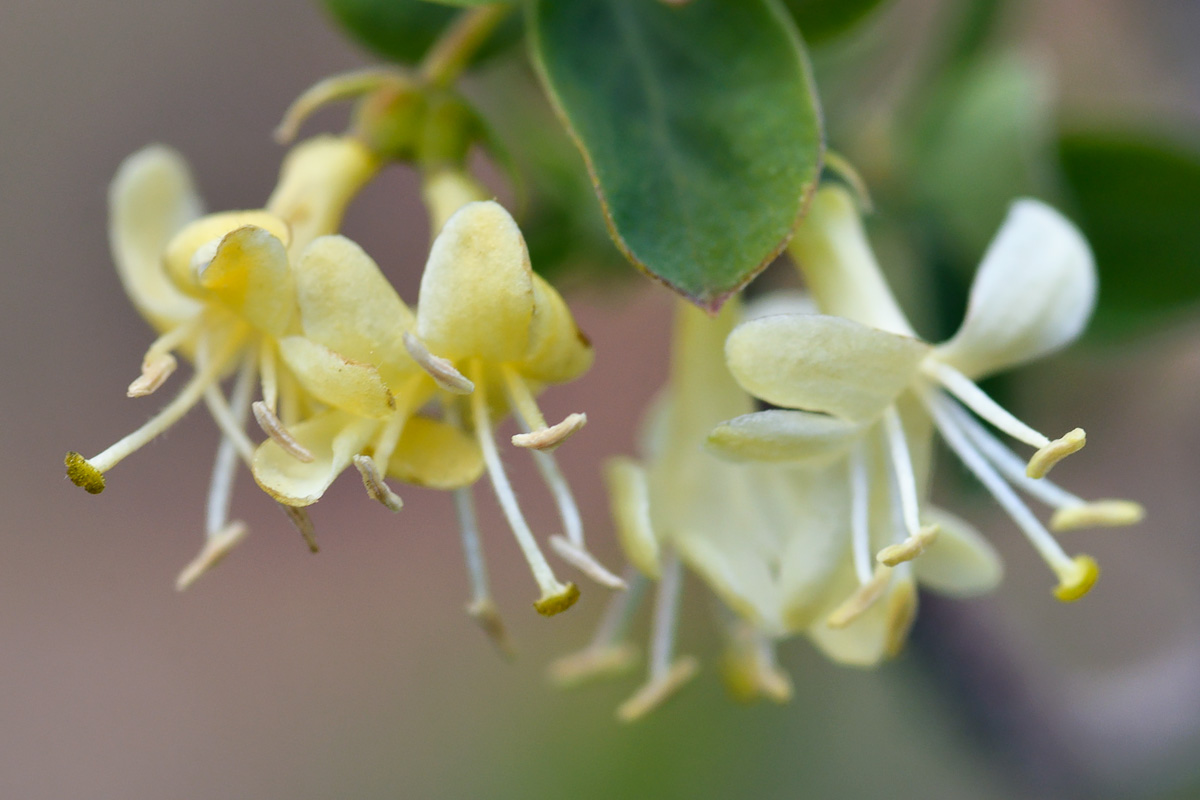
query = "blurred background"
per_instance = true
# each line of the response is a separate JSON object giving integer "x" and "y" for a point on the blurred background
{"x": 355, "y": 673}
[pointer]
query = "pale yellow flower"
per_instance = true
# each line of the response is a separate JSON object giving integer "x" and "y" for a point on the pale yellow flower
{"x": 860, "y": 394}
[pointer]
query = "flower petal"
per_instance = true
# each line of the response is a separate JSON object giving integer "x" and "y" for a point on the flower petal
{"x": 333, "y": 437}
{"x": 878, "y": 634}
{"x": 477, "y": 296}
{"x": 813, "y": 506}
{"x": 960, "y": 561}
{"x": 150, "y": 200}
{"x": 347, "y": 305}
{"x": 629, "y": 498}
{"x": 250, "y": 274}
{"x": 198, "y": 242}
{"x": 558, "y": 351}
{"x": 824, "y": 364}
{"x": 783, "y": 435}
{"x": 335, "y": 380}
{"x": 437, "y": 455}
{"x": 1034, "y": 293}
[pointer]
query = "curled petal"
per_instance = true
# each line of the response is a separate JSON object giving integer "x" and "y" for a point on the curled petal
{"x": 336, "y": 380}
{"x": 783, "y": 435}
{"x": 347, "y": 305}
{"x": 437, "y": 455}
{"x": 193, "y": 247}
{"x": 558, "y": 351}
{"x": 250, "y": 274}
{"x": 477, "y": 296}
{"x": 150, "y": 200}
{"x": 959, "y": 561}
{"x": 333, "y": 437}
{"x": 1033, "y": 294}
{"x": 825, "y": 364}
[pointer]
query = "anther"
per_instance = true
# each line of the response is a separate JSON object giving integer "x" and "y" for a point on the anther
{"x": 749, "y": 669}
{"x": 1076, "y": 578}
{"x": 658, "y": 690}
{"x": 556, "y": 602}
{"x": 1050, "y": 454}
{"x": 910, "y": 548}
{"x": 585, "y": 562}
{"x": 303, "y": 523}
{"x": 374, "y": 484}
{"x": 275, "y": 429}
{"x": 83, "y": 474}
{"x": 216, "y": 547}
{"x": 592, "y": 663}
{"x": 487, "y": 616}
{"x": 863, "y": 598}
{"x": 155, "y": 371}
{"x": 444, "y": 374}
{"x": 1097, "y": 514}
{"x": 551, "y": 437}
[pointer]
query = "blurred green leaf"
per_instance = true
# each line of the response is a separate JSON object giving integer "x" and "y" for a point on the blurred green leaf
{"x": 471, "y": 3}
{"x": 985, "y": 139}
{"x": 1137, "y": 199}
{"x": 699, "y": 124}
{"x": 402, "y": 30}
{"x": 821, "y": 20}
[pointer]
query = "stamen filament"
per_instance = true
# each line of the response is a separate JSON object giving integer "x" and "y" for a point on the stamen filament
{"x": 442, "y": 370}
{"x": 188, "y": 396}
{"x": 1071, "y": 573}
{"x": 220, "y": 487}
{"x": 902, "y": 470}
{"x": 860, "y": 528}
{"x": 228, "y": 422}
{"x": 556, "y": 597}
{"x": 579, "y": 557}
{"x": 481, "y": 608}
{"x": 978, "y": 401}
{"x": 522, "y": 399}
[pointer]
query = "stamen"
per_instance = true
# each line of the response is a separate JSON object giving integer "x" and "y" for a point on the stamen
{"x": 481, "y": 608}
{"x": 220, "y": 485}
{"x": 863, "y": 598}
{"x": 216, "y": 547}
{"x": 607, "y": 654}
{"x": 1046, "y": 545}
{"x": 442, "y": 370}
{"x": 1072, "y": 511}
{"x": 552, "y": 437}
{"x": 906, "y": 488}
{"x": 860, "y": 511}
{"x": 556, "y": 597}
{"x": 303, "y": 523}
{"x": 275, "y": 429}
{"x": 910, "y": 548}
{"x": 749, "y": 665}
{"x": 1049, "y": 455}
{"x": 155, "y": 371}
{"x": 977, "y": 400}
{"x": 665, "y": 677}
{"x": 374, "y": 483}
{"x": 1098, "y": 514}
{"x": 229, "y": 425}
{"x": 585, "y": 562}
{"x": 88, "y": 473}
{"x": 1077, "y": 580}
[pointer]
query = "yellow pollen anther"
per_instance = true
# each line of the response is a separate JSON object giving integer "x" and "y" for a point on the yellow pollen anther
{"x": 485, "y": 613}
{"x": 444, "y": 374}
{"x": 1076, "y": 580}
{"x": 216, "y": 547}
{"x": 83, "y": 474}
{"x": 155, "y": 371}
{"x": 373, "y": 482}
{"x": 551, "y": 437}
{"x": 654, "y": 693}
{"x": 592, "y": 663}
{"x": 557, "y": 602}
{"x": 909, "y": 549}
{"x": 1050, "y": 454}
{"x": 585, "y": 562}
{"x": 275, "y": 429}
{"x": 1098, "y": 514}
{"x": 863, "y": 598}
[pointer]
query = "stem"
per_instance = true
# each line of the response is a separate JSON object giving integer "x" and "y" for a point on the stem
{"x": 451, "y": 53}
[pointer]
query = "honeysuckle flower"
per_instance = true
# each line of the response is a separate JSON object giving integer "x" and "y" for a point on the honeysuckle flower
{"x": 223, "y": 290}
{"x": 860, "y": 393}
{"x": 752, "y": 533}
{"x": 492, "y": 334}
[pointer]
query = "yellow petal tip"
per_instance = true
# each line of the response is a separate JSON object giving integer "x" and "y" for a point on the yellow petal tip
{"x": 557, "y": 602}
{"x": 83, "y": 474}
{"x": 1053, "y": 452}
{"x": 1078, "y": 579}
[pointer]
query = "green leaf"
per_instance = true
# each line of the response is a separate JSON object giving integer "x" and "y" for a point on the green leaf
{"x": 821, "y": 20}
{"x": 699, "y": 125}
{"x": 1137, "y": 198}
{"x": 471, "y": 3}
{"x": 402, "y": 30}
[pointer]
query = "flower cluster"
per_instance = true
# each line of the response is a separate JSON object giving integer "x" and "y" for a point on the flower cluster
{"x": 344, "y": 372}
